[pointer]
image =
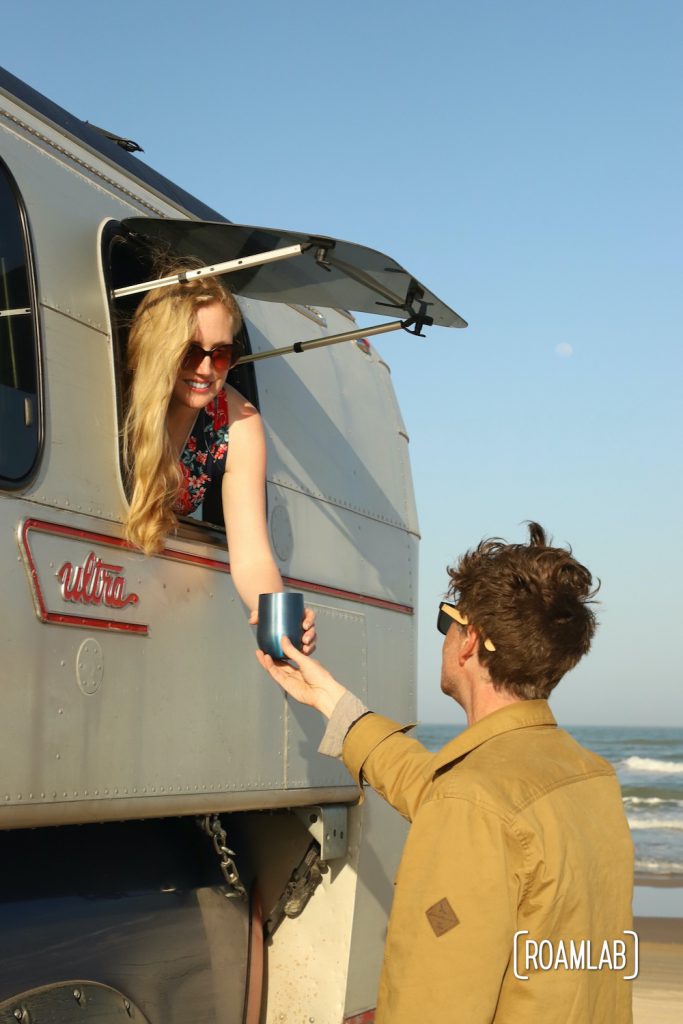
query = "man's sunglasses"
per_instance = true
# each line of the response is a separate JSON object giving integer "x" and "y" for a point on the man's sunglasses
{"x": 449, "y": 613}
{"x": 222, "y": 357}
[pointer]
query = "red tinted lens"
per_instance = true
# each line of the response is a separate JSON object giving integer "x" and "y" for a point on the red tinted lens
{"x": 221, "y": 357}
{"x": 193, "y": 357}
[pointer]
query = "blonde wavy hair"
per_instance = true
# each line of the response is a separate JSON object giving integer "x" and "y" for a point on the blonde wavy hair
{"x": 164, "y": 323}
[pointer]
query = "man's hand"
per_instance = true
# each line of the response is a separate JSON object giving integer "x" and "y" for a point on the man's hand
{"x": 307, "y": 681}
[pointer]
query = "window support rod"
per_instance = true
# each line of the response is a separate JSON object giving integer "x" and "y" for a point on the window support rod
{"x": 258, "y": 260}
{"x": 15, "y": 312}
{"x": 332, "y": 339}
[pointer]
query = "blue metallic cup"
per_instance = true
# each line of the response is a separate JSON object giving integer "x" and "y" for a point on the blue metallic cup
{"x": 279, "y": 615}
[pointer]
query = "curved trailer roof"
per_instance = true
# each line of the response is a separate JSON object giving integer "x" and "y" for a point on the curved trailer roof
{"x": 102, "y": 144}
{"x": 328, "y": 272}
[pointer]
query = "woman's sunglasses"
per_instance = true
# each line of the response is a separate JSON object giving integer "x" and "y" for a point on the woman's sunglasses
{"x": 222, "y": 357}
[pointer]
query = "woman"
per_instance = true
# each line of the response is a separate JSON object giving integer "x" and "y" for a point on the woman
{"x": 186, "y": 427}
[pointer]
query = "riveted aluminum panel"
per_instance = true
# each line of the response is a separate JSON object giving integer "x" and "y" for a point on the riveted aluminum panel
{"x": 343, "y": 638}
{"x": 333, "y": 425}
{"x": 369, "y": 559}
{"x": 79, "y": 470}
{"x": 175, "y": 712}
{"x": 52, "y": 182}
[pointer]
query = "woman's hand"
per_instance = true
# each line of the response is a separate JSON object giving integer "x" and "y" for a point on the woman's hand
{"x": 306, "y": 681}
{"x": 309, "y": 634}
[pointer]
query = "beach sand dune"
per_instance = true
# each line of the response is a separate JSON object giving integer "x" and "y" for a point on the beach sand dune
{"x": 658, "y": 989}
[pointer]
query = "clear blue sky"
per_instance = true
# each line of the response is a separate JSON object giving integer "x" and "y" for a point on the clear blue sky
{"x": 521, "y": 158}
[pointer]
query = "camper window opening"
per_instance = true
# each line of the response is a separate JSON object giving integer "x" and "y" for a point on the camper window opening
{"x": 19, "y": 363}
{"x": 125, "y": 262}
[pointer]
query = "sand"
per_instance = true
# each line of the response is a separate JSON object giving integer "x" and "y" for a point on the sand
{"x": 658, "y": 989}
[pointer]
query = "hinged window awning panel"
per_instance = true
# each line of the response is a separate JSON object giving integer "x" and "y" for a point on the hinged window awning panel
{"x": 329, "y": 273}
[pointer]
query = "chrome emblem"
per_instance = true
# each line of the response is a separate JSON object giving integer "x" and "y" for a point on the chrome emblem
{"x": 95, "y": 582}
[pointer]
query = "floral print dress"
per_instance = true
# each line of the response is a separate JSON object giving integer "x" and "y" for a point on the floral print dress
{"x": 204, "y": 456}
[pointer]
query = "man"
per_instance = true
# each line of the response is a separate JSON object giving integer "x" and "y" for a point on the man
{"x": 515, "y": 827}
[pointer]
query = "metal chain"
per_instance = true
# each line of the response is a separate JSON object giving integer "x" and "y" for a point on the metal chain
{"x": 211, "y": 824}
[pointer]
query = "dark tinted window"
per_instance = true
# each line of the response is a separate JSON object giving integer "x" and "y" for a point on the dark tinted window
{"x": 18, "y": 360}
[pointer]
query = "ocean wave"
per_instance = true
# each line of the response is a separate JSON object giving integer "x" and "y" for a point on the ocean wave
{"x": 656, "y": 823}
{"x": 650, "y": 764}
{"x": 652, "y": 801}
{"x": 660, "y": 867}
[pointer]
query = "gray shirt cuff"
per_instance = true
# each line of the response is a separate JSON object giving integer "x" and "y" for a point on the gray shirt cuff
{"x": 347, "y": 710}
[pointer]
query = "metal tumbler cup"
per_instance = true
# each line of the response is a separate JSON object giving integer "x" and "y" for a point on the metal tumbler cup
{"x": 279, "y": 615}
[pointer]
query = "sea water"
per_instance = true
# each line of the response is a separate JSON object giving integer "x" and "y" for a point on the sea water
{"x": 649, "y": 765}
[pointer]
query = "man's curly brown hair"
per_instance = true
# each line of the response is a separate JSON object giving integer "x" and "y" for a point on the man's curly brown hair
{"x": 532, "y": 601}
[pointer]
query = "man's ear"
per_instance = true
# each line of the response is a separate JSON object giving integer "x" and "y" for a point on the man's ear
{"x": 470, "y": 645}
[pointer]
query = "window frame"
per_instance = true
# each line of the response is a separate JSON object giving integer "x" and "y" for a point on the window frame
{"x": 21, "y": 483}
{"x": 191, "y": 527}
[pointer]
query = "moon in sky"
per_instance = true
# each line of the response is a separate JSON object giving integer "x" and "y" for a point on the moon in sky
{"x": 564, "y": 350}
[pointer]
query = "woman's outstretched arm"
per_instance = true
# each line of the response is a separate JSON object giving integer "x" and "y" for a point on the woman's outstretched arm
{"x": 244, "y": 507}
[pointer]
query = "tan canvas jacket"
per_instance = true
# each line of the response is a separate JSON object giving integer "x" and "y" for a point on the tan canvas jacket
{"x": 515, "y": 828}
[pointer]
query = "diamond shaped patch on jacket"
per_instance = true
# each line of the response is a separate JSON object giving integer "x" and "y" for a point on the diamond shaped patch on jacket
{"x": 442, "y": 917}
